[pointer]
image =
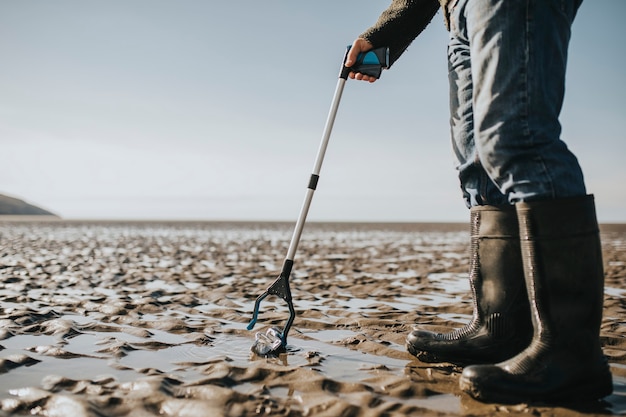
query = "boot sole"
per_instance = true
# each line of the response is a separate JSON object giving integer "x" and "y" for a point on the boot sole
{"x": 424, "y": 356}
{"x": 591, "y": 389}
{"x": 429, "y": 357}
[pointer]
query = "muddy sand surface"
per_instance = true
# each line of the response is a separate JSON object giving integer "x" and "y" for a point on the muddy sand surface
{"x": 149, "y": 319}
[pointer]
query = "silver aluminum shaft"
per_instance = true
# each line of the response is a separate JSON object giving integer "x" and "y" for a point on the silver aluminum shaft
{"x": 330, "y": 121}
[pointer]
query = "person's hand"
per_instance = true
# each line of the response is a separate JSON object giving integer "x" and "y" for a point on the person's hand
{"x": 358, "y": 46}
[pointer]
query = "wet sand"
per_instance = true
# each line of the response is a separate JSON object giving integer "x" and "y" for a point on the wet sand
{"x": 149, "y": 319}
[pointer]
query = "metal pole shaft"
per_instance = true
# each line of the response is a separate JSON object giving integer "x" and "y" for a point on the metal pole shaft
{"x": 330, "y": 121}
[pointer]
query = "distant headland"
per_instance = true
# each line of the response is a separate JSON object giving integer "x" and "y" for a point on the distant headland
{"x": 10, "y": 206}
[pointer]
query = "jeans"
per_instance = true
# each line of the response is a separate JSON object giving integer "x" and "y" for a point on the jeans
{"x": 507, "y": 61}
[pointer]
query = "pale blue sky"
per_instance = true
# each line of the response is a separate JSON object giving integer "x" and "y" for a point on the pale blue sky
{"x": 194, "y": 109}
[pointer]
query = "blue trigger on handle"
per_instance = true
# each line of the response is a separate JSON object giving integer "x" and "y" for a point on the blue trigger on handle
{"x": 370, "y": 58}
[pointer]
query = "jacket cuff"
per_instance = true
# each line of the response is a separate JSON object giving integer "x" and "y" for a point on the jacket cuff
{"x": 400, "y": 24}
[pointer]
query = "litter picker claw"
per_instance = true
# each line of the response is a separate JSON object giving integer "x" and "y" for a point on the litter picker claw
{"x": 275, "y": 341}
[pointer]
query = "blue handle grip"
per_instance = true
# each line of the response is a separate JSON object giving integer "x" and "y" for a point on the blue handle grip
{"x": 369, "y": 63}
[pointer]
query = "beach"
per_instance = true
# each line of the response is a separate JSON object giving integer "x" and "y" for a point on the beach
{"x": 103, "y": 318}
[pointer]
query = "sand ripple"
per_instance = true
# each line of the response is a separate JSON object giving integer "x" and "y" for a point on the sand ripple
{"x": 149, "y": 319}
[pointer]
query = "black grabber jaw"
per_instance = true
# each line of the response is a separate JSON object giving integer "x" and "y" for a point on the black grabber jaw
{"x": 274, "y": 341}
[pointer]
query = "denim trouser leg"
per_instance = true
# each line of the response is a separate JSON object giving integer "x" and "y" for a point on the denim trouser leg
{"x": 507, "y": 61}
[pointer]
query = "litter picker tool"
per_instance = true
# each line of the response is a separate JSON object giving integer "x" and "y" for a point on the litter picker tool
{"x": 274, "y": 340}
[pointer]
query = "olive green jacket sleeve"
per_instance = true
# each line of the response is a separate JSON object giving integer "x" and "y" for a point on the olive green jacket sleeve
{"x": 400, "y": 24}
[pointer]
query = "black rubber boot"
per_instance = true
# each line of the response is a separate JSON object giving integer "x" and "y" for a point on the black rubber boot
{"x": 565, "y": 281}
{"x": 501, "y": 324}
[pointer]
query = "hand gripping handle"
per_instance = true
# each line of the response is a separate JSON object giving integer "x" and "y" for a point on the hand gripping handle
{"x": 369, "y": 63}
